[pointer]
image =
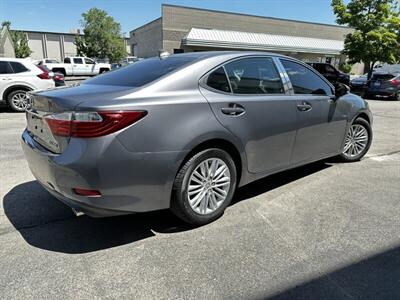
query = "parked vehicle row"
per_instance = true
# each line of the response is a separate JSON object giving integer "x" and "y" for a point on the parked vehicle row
{"x": 381, "y": 85}
{"x": 184, "y": 131}
{"x": 331, "y": 73}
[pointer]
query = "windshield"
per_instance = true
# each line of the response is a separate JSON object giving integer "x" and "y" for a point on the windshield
{"x": 142, "y": 72}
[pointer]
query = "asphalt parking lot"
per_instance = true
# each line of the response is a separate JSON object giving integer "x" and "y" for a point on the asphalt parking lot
{"x": 323, "y": 231}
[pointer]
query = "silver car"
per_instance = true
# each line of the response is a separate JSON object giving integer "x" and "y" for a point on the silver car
{"x": 184, "y": 131}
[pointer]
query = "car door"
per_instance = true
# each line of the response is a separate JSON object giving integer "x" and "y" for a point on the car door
{"x": 78, "y": 67}
{"x": 6, "y": 74}
{"x": 320, "y": 122}
{"x": 90, "y": 65}
{"x": 248, "y": 98}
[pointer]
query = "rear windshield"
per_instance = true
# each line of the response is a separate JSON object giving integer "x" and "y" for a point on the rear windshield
{"x": 142, "y": 72}
{"x": 382, "y": 76}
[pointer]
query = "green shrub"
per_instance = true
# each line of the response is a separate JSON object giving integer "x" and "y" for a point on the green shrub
{"x": 345, "y": 67}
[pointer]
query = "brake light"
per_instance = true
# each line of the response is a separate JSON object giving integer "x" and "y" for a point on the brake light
{"x": 45, "y": 74}
{"x": 58, "y": 77}
{"x": 395, "y": 82}
{"x": 91, "y": 124}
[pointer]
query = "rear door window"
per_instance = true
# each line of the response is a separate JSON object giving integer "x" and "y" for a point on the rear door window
{"x": 305, "y": 81}
{"x": 254, "y": 75}
{"x": 78, "y": 61}
{"x": 67, "y": 60}
{"x": 218, "y": 80}
{"x": 5, "y": 68}
{"x": 18, "y": 67}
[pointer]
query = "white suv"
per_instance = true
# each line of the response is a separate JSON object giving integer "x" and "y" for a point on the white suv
{"x": 17, "y": 77}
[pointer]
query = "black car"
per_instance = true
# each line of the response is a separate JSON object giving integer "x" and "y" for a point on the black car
{"x": 359, "y": 84}
{"x": 331, "y": 73}
{"x": 383, "y": 85}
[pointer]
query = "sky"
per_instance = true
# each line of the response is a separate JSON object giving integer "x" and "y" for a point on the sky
{"x": 62, "y": 16}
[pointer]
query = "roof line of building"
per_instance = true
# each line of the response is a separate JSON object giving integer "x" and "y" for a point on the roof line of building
{"x": 46, "y": 32}
{"x": 51, "y": 32}
{"x": 155, "y": 20}
{"x": 250, "y": 15}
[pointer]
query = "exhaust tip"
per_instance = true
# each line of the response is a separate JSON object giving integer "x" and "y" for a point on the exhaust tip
{"x": 77, "y": 213}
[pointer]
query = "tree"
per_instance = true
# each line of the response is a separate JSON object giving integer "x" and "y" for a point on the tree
{"x": 20, "y": 41}
{"x": 345, "y": 67}
{"x": 376, "y": 36}
{"x": 102, "y": 36}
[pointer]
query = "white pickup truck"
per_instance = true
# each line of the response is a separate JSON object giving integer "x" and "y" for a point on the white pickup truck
{"x": 78, "y": 66}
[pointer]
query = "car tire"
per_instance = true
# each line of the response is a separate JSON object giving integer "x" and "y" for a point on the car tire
{"x": 189, "y": 187}
{"x": 397, "y": 96}
{"x": 357, "y": 141}
{"x": 18, "y": 100}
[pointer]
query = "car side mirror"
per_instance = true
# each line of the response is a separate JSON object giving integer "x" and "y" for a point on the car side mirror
{"x": 340, "y": 90}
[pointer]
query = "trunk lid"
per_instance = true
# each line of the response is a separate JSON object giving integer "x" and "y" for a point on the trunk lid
{"x": 61, "y": 100}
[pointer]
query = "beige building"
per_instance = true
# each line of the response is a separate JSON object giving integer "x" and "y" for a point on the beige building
{"x": 6, "y": 44}
{"x": 185, "y": 29}
{"x": 56, "y": 45}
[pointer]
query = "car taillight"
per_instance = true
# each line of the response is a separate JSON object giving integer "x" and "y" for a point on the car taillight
{"x": 86, "y": 193}
{"x": 45, "y": 74}
{"x": 395, "y": 82}
{"x": 91, "y": 124}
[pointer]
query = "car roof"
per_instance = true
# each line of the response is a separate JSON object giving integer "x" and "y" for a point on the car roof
{"x": 209, "y": 54}
{"x": 15, "y": 59}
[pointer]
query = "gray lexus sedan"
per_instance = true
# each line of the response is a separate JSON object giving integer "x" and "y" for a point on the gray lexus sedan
{"x": 184, "y": 131}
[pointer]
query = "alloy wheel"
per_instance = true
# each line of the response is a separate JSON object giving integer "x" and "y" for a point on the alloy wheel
{"x": 356, "y": 140}
{"x": 208, "y": 186}
{"x": 20, "y": 100}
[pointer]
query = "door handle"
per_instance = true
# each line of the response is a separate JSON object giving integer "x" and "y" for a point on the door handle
{"x": 233, "y": 110}
{"x": 304, "y": 106}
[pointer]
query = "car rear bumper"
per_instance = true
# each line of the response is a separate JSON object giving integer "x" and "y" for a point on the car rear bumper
{"x": 381, "y": 93}
{"x": 129, "y": 182}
